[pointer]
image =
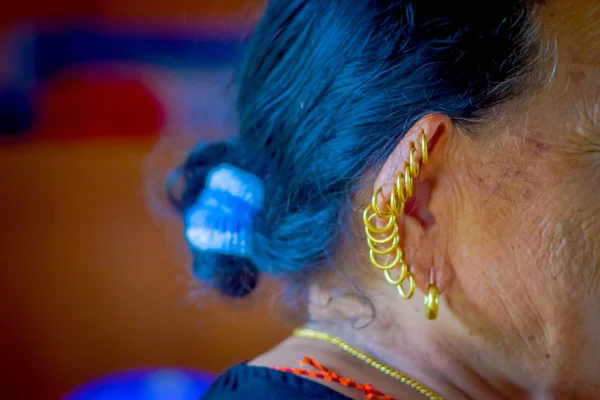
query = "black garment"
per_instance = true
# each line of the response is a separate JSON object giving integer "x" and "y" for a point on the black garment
{"x": 243, "y": 382}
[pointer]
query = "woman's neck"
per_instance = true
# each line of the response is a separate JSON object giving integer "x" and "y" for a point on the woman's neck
{"x": 449, "y": 377}
{"x": 439, "y": 354}
{"x": 456, "y": 380}
{"x": 293, "y": 349}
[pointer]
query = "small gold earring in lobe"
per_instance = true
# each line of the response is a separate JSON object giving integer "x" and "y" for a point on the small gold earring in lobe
{"x": 432, "y": 302}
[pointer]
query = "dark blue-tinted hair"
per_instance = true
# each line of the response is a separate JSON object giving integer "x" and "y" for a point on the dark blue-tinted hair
{"x": 326, "y": 91}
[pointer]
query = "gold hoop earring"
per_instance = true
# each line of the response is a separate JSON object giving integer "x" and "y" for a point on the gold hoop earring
{"x": 424, "y": 149}
{"x": 412, "y": 285}
{"x": 432, "y": 302}
{"x": 394, "y": 206}
{"x": 403, "y": 272}
{"x": 375, "y": 206}
{"x": 408, "y": 181}
{"x": 400, "y": 191}
{"x": 399, "y": 282}
{"x": 412, "y": 163}
{"x": 379, "y": 241}
{"x": 385, "y": 251}
{"x": 385, "y": 267}
{"x": 367, "y": 221}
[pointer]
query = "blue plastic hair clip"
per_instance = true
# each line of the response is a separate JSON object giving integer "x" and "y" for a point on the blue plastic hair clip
{"x": 221, "y": 219}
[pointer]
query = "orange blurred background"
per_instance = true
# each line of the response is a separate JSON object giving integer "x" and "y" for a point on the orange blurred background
{"x": 95, "y": 278}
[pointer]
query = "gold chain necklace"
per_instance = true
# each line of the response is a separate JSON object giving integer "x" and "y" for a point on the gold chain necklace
{"x": 368, "y": 359}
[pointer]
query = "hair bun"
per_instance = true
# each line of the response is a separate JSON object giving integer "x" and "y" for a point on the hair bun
{"x": 214, "y": 216}
{"x": 232, "y": 276}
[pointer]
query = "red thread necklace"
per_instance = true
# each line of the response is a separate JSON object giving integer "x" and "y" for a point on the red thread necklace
{"x": 324, "y": 373}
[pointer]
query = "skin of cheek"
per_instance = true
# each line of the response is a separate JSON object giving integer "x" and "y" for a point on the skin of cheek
{"x": 524, "y": 234}
{"x": 525, "y": 248}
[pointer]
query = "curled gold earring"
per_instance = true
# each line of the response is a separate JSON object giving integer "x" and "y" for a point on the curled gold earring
{"x": 408, "y": 181}
{"x": 380, "y": 241}
{"x": 386, "y": 267}
{"x": 382, "y": 251}
{"x": 377, "y": 238}
{"x": 405, "y": 274}
{"x": 367, "y": 221}
{"x": 432, "y": 302}
{"x": 385, "y": 241}
{"x": 399, "y": 188}
{"x": 375, "y": 206}
{"x": 413, "y": 165}
{"x": 424, "y": 149}
{"x": 412, "y": 285}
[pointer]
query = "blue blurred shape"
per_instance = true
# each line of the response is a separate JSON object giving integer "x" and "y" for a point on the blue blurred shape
{"x": 157, "y": 384}
{"x": 16, "y": 114}
{"x": 57, "y": 49}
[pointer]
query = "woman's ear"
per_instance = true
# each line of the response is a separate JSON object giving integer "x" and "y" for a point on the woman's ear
{"x": 423, "y": 243}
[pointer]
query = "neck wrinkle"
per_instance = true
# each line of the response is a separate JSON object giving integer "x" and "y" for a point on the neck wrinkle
{"x": 419, "y": 352}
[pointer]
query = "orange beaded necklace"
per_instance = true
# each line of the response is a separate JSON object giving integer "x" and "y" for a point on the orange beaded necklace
{"x": 369, "y": 390}
{"x": 324, "y": 373}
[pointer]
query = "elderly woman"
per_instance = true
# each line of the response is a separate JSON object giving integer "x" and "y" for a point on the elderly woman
{"x": 391, "y": 150}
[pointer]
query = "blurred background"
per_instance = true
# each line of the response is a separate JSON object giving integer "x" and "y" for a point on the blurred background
{"x": 98, "y": 98}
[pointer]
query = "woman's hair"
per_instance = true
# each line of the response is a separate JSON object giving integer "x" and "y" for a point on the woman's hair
{"x": 327, "y": 90}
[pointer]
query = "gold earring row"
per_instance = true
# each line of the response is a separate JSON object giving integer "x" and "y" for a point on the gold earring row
{"x": 384, "y": 241}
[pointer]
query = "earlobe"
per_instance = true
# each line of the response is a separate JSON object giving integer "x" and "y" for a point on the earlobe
{"x": 426, "y": 252}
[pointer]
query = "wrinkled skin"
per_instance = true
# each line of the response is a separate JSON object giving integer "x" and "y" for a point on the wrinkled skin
{"x": 525, "y": 231}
